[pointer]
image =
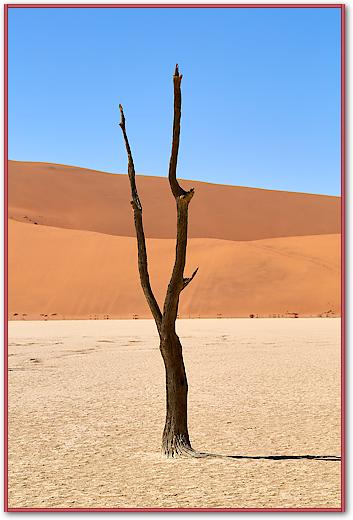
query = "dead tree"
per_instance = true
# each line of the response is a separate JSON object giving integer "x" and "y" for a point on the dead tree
{"x": 175, "y": 439}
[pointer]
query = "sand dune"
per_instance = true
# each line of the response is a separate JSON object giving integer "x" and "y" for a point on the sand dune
{"x": 80, "y": 274}
{"x": 77, "y": 198}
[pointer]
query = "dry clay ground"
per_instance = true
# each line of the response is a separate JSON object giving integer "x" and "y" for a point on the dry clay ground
{"x": 86, "y": 413}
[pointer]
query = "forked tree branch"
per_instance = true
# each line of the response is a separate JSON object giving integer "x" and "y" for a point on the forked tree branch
{"x": 166, "y": 322}
{"x": 140, "y": 235}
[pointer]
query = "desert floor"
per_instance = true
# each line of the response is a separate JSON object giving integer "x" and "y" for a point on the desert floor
{"x": 86, "y": 414}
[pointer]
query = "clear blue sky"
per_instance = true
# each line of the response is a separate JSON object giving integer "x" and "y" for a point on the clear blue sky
{"x": 261, "y": 92}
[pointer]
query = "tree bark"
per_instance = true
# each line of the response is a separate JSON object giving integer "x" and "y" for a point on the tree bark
{"x": 175, "y": 436}
{"x": 174, "y": 185}
{"x": 140, "y": 235}
{"x": 175, "y": 440}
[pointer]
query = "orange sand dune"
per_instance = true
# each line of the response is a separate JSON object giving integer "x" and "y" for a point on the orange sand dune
{"x": 66, "y": 273}
{"x": 77, "y": 198}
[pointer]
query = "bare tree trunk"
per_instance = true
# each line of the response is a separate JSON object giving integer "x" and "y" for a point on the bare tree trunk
{"x": 175, "y": 440}
{"x": 175, "y": 435}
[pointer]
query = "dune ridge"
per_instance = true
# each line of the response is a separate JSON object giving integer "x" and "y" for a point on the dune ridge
{"x": 78, "y": 198}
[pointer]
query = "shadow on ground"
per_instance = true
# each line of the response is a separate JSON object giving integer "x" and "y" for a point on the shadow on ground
{"x": 287, "y": 457}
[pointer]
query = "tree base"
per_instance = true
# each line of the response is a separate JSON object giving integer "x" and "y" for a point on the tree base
{"x": 174, "y": 446}
{"x": 179, "y": 446}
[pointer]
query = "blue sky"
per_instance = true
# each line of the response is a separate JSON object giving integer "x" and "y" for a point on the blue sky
{"x": 261, "y": 92}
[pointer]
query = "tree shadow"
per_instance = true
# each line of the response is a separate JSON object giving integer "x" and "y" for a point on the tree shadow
{"x": 287, "y": 457}
{"x": 200, "y": 454}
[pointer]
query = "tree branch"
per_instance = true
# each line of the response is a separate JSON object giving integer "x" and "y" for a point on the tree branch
{"x": 186, "y": 281}
{"x": 140, "y": 235}
{"x": 177, "y": 281}
{"x": 176, "y": 284}
{"x": 177, "y": 190}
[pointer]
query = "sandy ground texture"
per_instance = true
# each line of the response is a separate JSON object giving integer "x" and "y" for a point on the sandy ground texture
{"x": 86, "y": 413}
